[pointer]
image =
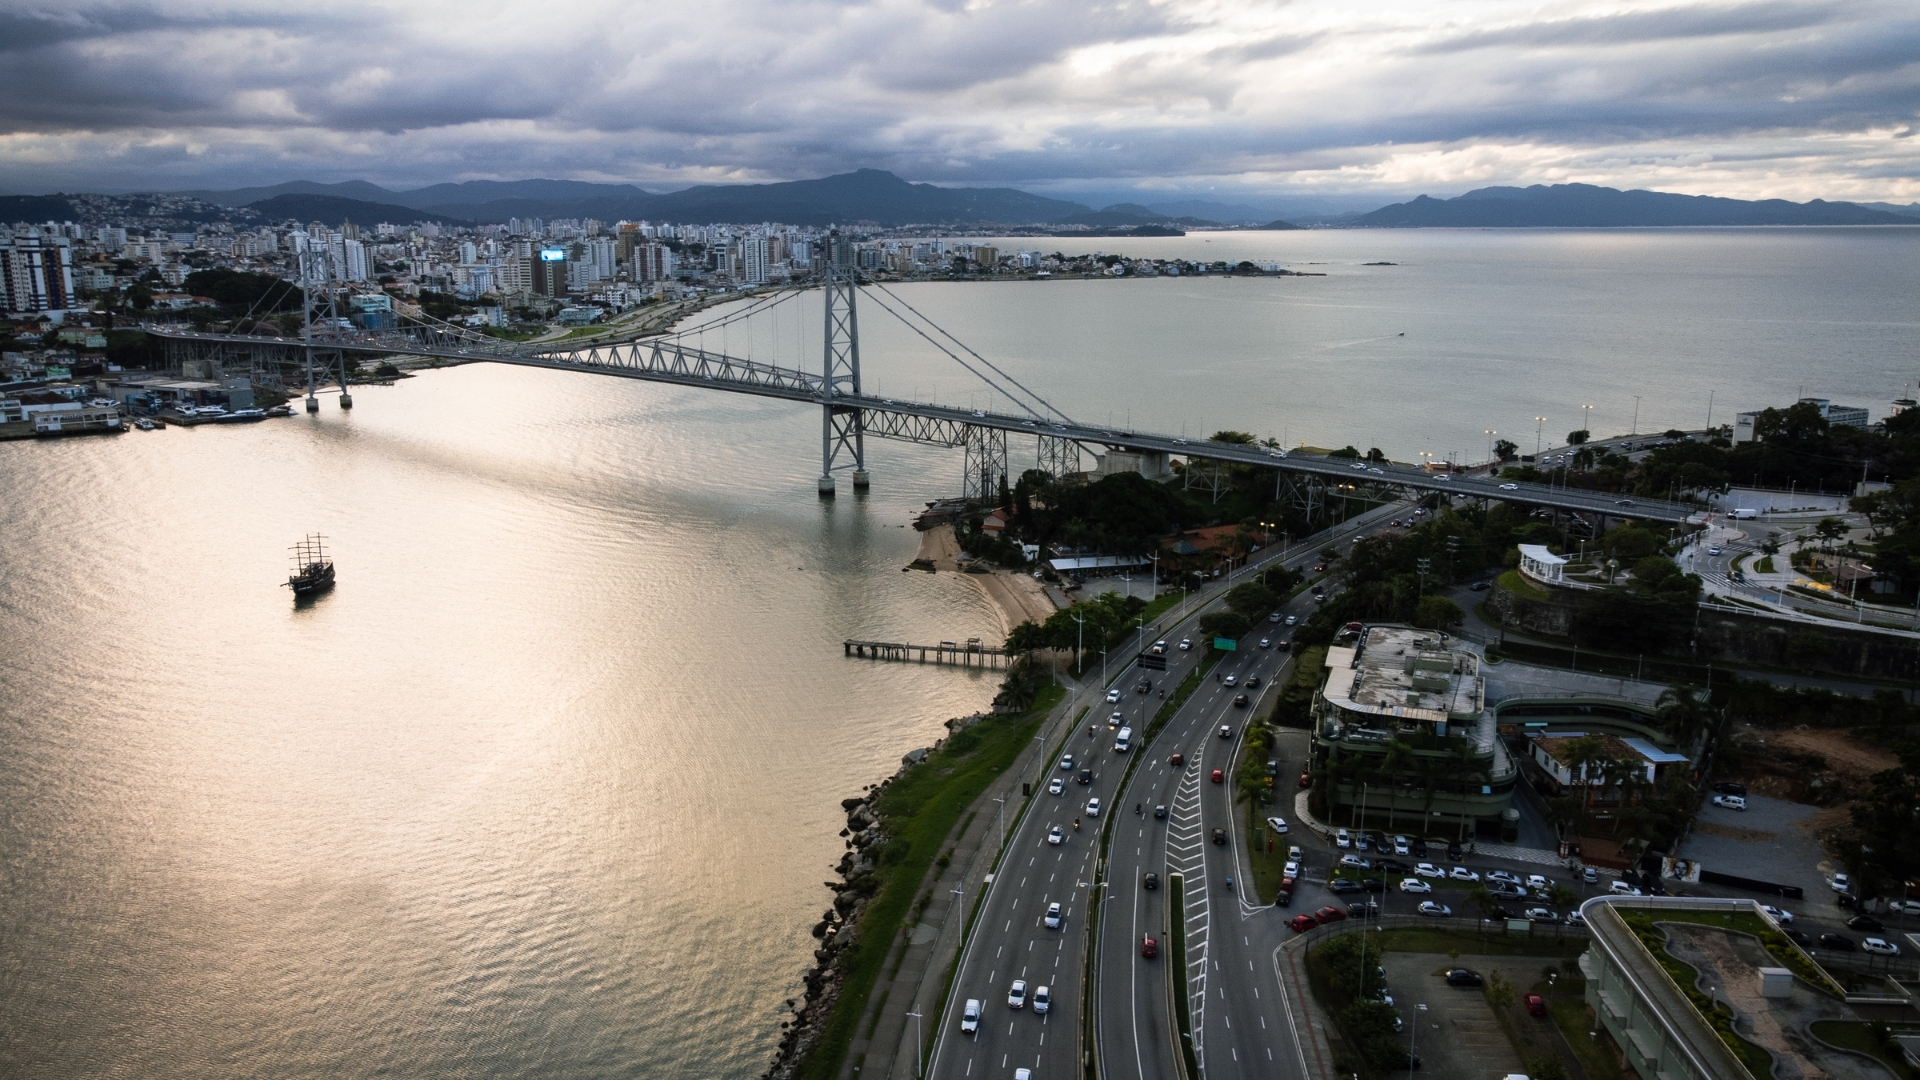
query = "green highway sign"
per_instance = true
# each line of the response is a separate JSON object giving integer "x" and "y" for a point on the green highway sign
{"x": 1226, "y": 644}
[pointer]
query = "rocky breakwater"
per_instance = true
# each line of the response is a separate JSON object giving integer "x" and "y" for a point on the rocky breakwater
{"x": 841, "y": 924}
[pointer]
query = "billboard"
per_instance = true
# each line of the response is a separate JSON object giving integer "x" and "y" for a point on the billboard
{"x": 553, "y": 255}
{"x": 1686, "y": 870}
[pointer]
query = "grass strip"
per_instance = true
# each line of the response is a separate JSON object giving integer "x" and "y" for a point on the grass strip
{"x": 1718, "y": 1017}
{"x": 1567, "y": 1007}
{"x": 919, "y": 810}
{"x": 1177, "y": 959}
{"x": 1522, "y": 588}
{"x": 1860, "y": 1037}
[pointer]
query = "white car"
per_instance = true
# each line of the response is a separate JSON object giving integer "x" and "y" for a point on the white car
{"x": 1879, "y": 946}
{"x": 1713, "y": 551}
{"x": 1840, "y": 883}
{"x": 1023, "y": 1074}
{"x": 1730, "y": 802}
{"x": 1342, "y": 839}
{"x": 1292, "y": 869}
{"x": 1590, "y": 875}
{"x": 1415, "y": 885}
{"x": 1186, "y": 643}
{"x": 1066, "y": 761}
{"x": 1540, "y": 914}
{"x": 1621, "y": 888}
{"x": 1041, "y": 1000}
{"x": 1509, "y": 487}
{"x": 1427, "y": 869}
{"x": 1093, "y": 807}
{"x": 1017, "y": 996}
{"x": 1784, "y": 918}
{"x": 1401, "y": 847}
{"x": 1266, "y": 643}
{"x": 1502, "y": 875}
{"x": 970, "y": 1017}
{"x": 1274, "y": 617}
{"x": 1232, "y": 680}
{"x": 1057, "y": 786}
{"x": 1293, "y": 620}
{"x": 1113, "y": 695}
{"x": 1056, "y": 836}
{"x": 1461, "y": 873}
{"x": 1053, "y": 916}
{"x": 1438, "y": 911}
{"x": 1538, "y": 883}
{"x": 1277, "y": 824}
{"x": 1356, "y": 862}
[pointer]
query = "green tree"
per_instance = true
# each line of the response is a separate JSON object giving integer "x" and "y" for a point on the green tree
{"x": 1578, "y": 438}
{"x": 1353, "y": 965}
{"x": 1370, "y": 1025}
{"x": 1505, "y": 449}
{"x": 1224, "y": 624}
{"x": 1252, "y": 599}
{"x": 1438, "y": 613}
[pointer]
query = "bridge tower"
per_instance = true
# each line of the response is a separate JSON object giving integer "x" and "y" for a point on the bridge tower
{"x": 843, "y": 428}
{"x": 319, "y": 302}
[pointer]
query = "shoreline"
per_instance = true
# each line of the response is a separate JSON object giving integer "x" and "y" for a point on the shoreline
{"x": 1014, "y": 595}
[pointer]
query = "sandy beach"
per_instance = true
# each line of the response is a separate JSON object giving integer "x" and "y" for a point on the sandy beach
{"x": 1015, "y": 595}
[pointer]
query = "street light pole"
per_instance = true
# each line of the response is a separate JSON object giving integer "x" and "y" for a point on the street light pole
{"x": 1539, "y": 427}
{"x": 916, "y": 1039}
{"x": 1636, "y": 414}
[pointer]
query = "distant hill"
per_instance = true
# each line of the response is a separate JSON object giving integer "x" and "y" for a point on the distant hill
{"x": 351, "y": 189}
{"x": 36, "y": 208}
{"x": 1911, "y": 210}
{"x": 333, "y": 210}
{"x": 1587, "y": 206}
{"x": 867, "y": 195}
{"x": 1132, "y": 216}
{"x": 482, "y": 192}
{"x": 1276, "y": 226}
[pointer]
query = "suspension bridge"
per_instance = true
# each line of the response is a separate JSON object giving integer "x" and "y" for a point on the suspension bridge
{"x": 849, "y": 416}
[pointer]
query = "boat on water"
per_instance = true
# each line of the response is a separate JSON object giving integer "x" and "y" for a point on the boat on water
{"x": 143, "y": 424}
{"x": 312, "y": 570}
{"x": 239, "y": 415}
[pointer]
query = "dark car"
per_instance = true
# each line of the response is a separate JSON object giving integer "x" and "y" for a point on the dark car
{"x": 1220, "y": 836}
{"x": 1410, "y": 1061}
{"x": 1799, "y": 937}
{"x": 1303, "y": 923}
{"x": 1329, "y": 914}
{"x": 1453, "y": 852}
{"x": 1365, "y": 909}
{"x": 1728, "y": 787}
{"x": 1143, "y": 686}
{"x": 1149, "y": 948}
{"x": 1373, "y": 884}
{"x": 1239, "y": 701}
{"x": 1838, "y": 943}
{"x": 1463, "y": 977}
{"x": 1151, "y": 881}
{"x": 1419, "y": 848}
{"x": 1253, "y": 682}
{"x": 1865, "y": 922}
{"x": 1283, "y": 645}
{"x": 1283, "y": 898}
{"x": 1160, "y": 811}
{"x": 1177, "y": 760}
{"x": 1343, "y": 885}
{"x": 1085, "y": 776}
{"x": 1480, "y": 586}
{"x": 1392, "y": 866}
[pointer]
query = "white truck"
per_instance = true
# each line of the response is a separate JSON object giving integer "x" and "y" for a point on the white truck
{"x": 1744, "y": 515}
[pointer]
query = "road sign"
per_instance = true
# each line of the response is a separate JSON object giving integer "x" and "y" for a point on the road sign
{"x": 1152, "y": 662}
{"x": 1226, "y": 644}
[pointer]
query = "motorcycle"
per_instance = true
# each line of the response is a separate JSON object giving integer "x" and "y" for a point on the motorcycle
{"x": 1229, "y": 884}
{"x": 1076, "y": 824}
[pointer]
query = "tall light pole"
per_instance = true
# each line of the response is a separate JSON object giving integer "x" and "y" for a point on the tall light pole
{"x": 1490, "y": 433}
{"x": 1539, "y": 426}
{"x": 1586, "y": 420}
{"x": 1636, "y": 414}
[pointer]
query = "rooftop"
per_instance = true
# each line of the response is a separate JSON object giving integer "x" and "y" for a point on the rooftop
{"x": 1406, "y": 673}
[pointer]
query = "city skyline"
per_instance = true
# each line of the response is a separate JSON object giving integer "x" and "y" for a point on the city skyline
{"x": 1178, "y": 100}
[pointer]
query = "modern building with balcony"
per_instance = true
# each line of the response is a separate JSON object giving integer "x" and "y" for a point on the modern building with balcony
{"x": 1403, "y": 739}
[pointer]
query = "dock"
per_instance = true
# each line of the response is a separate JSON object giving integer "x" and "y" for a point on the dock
{"x": 969, "y": 653}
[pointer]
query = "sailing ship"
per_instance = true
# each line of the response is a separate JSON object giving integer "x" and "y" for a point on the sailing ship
{"x": 312, "y": 570}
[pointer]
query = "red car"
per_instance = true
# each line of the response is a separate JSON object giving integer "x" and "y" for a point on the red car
{"x": 1177, "y": 760}
{"x": 1219, "y": 776}
{"x": 1329, "y": 914}
{"x": 1304, "y": 781}
{"x": 1302, "y": 923}
{"x": 1149, "y": 948}
{"x": 1536, "y": 1005}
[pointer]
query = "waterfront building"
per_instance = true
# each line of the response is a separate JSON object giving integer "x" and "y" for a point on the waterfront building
{"x": 1744, "y": 424}
{"x": 36, "y": 275}
{"x": 1403, "y": 738}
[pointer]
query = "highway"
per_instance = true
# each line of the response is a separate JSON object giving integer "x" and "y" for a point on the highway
{"x": 1010, "y": 939}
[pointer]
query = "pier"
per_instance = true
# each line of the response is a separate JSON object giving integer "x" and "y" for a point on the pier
{"x": 970, "y": 653}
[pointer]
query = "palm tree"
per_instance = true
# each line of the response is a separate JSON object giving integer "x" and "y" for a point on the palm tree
{"x": 1685, "y": 717}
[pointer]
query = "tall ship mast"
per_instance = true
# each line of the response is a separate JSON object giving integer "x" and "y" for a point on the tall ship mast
{"x": 312, "y": 570}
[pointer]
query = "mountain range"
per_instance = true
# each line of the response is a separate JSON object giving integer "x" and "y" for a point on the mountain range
{"x": 1587, "y": 206}
{"x": 883, "y": 199}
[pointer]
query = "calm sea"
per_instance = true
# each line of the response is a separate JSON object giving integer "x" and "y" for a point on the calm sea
{"x": 548, "y": 786}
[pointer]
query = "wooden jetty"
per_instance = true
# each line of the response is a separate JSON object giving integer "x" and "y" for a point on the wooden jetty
{"x": 968, "y": 653}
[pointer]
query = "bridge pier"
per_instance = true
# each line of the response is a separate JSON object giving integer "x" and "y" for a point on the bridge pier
{"x": 346, "y": 399}
{"x": 313, "y": 403}
{"x": 859, "y": 479}
{"x": 826, "y": 486}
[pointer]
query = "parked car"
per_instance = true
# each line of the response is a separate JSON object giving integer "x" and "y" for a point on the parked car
{"x": 1879, "y": 947}
{"x": 1728, "y": 787}
{"x": 1785, "y": 918}
{"x": 1365, "y": 909}
{"x": 1463, "y": 977}
{"x": 1329, "y": 914}
{"x": 1292, "y": 869}
{"x": 1840, "y": 883}
{"x": 1427, "y": 869}
{"x": 1343, "y": 885}
{"x": 1017, "y": 994}
{"x": 1461, "y": 873}
{"x": 1415, "y": 885}
{"x": 1536, "y": 1005}
{"x": 1621, "y": 888}
{"x": 1730, "y": 802}
{"x": 1401, "y": 846}
{"x": 1438, "y": 911}
{"x": 1303, "y": 923}
{"x": 1502, "y": 875}
{"x": 1454, "y": 851}
{"x": 1356, "y": 862}
{"x": 1053, "y": 916}
{"x": 1542, "y": 915}
{"x": 970, "y": 1017}
{"x": 1866, "y": 923}
{"x": 1283, "y": 897}
{"x": 1342, "y": 839}
{"x": 1539, "y": 883}
{"x": 1838, "y": 943}
{"x": 1277, "y": 824}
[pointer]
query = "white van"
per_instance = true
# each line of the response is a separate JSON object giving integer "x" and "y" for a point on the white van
{"x": 1743, "y": 515}
{"x": 1124, "y": 741}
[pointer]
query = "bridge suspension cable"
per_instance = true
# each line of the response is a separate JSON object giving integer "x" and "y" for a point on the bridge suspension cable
{"x": 1049, "y": 406}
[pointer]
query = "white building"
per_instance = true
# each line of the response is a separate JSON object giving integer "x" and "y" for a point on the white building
{"x": 1542, "y": 565}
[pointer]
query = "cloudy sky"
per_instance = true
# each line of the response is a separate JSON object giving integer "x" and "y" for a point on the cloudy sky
{"x": 1770, "y": 98}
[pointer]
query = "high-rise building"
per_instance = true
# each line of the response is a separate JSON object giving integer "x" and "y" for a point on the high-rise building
{"x": 36, "y": 274}
{"x": 550, "y": 272}
{"x": 355, "y": 257}
{"x": 600, "y": 252}
{"x": 651, "y": 262}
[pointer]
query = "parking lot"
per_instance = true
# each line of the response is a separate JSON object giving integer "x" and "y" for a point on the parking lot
{"x": 1459, "y": 1038}
{"x": 1763, "y": 842}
